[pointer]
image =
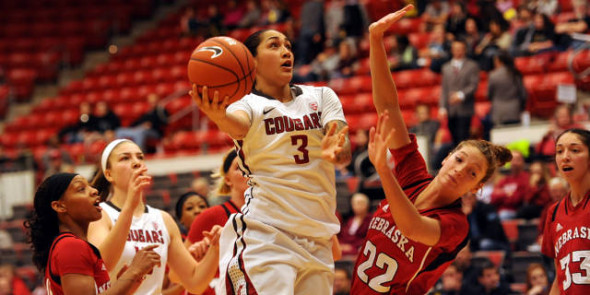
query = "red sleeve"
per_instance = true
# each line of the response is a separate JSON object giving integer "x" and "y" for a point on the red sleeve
{"x": 410, "y": 167}
{"x": 19, "y": 287}
{"x": 547, "y": 243}
{"x": 73, "y": 256}
{"x": 453, "y": 227}
{"x": 498, "y": 195}
{"x": 204, "y": 222}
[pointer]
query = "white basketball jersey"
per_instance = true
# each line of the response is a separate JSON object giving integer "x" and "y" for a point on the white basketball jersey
{"x": 149, "y": 229}
{"x": 293, "y": 188}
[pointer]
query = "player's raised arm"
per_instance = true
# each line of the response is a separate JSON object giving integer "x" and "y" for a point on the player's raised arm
{"x": 236, "y": 124}
{"x": 384, "y": 91}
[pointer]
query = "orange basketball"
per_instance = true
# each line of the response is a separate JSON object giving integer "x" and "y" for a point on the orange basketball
{"x": 223, "y": 64}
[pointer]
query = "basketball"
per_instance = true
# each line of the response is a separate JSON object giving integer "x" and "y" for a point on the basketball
{"x": 223, "y": 64}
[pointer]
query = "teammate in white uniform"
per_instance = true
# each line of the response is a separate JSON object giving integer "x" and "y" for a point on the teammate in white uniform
{"x": 122, "y": 176}
{"x": 288, "y": 139}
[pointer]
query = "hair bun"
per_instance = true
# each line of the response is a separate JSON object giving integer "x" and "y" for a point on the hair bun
{"x": 502, "y": 155}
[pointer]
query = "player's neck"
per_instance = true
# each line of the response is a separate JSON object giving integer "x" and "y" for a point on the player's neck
{"x": 237, "y": 199}
{"x": 281, "y": 93}
{"x": 79, "y": 230}
{"x": 579, "y": 189}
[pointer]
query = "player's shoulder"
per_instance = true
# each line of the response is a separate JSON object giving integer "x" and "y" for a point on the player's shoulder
{"x": 70, "y": 243}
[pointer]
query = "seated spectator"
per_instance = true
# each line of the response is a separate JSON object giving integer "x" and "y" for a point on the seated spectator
{"x": 495, "y": 40}
{"x": 105, "y": 121}
{"x": 472, "y": 36}
{"x": 56, "y": 164}
{"x": 54, "y": 150}
{"x": 464, "y": 264}
{"x": 438, "y": 49}
{"x": 342, "y": 280}
{"x": 537, "y": 281}
{"x": 149, "y": 126}
{"x": 546, "y": 7}
{"x": 189, "y": 23}
{"x": 537, "y": 38}
{"x": 353, "y": 231}
{"x": 489, "y": 281}
{"x": 252, "y": 14}
{"x": 455, "y": 24}
{"x": 233, "y": 15}
{"x": 425, "y": 125}
{"x": 436, "y": 13}
{"x": 485, "y": 229}
{"x": 10, "y": 283}
{"x": 323, "y": 66}
{"x": 403, "y": 56}
{"x": 509, "y": 193}
{"x": 81, "y": 130}
{"x": 450, "y": 283}
{"x": 558, "y": 189}
{"x": 347, "y": 60}
{"x": 562, "y": 121}
{"x": 214, "y": 22}
{"x": 538, "y": 196}
{"x": 580, "y": 23}
{"x": 522, "y": 22}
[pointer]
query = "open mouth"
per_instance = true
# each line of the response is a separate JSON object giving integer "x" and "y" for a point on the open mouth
{"x": 287, "y": 65}
{"x": 566, "y": 168}
{"x": 97, "y": 204}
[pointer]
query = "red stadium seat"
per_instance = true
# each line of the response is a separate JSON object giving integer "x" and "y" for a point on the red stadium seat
{"x": 90, "y": 83}
{"x": 143, "y": 77}
{"x": 559, "y": 62}
{"x": 106, "y": 81}
{"x": 481, "y": 94}
{"x": 419, "y": 40}
{"x": 145, "y": 90}
{"x": 125, "y": 79}
{"x": 148, "y": 62}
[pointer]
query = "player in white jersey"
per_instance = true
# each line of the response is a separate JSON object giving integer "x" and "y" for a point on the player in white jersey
{"x": 288, "y": 138}
{"x": 122, "y": 176}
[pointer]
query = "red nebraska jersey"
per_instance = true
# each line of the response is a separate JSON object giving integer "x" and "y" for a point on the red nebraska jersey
{"x": 71, "y": 255}
{"x": 216, "y": 215}
{"x": 566, "y": 239}
{"x": 390, "y": 263}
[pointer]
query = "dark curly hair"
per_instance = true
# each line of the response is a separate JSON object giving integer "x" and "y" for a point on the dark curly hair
{"x": 43, "y": 225}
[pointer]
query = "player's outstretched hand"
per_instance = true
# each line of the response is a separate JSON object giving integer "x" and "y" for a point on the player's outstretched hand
{"x": 214, "y": 109}
{"x": 332, "y": 144}
{"x": 145, "y": 260}
{"x": 137, "y": 183}
{"x": 199, "y": 249}
{"x": 213, "y": 235}
{"x": 378, "y": 143}
{"x": 378, "y": 28}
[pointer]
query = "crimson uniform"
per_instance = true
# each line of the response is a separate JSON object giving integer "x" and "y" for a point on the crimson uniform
{"x": 566, "y": 239}
{"x": 390, "y": 263}
{"x": 216, "y": 215}
{"x": 72, "y": 255}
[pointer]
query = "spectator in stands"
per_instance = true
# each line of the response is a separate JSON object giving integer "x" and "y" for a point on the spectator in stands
{"x": 356, "y": 19}
{"x": 546, "y": 7}
{"x": 214, "y": 21}
{"x": 425, "y": 125}
{"x": 455, "y": 24}
{"x": 323, "y": 66}
{"x": 523, "y": 20}
{"x": 53, "y": 150}
{"x": 189, "y": 23}
{"x": 489, "y": 281}
{"x": 506, "y": 8}
{"x": 450, "y": 283}
{"x": 187, "y": 208}
{"x": 341, "y": 281}
{"x": 252, "y": 14}
{"x": 495, "y": 40}
{"x": 149, "y": 126}
{"x": 438, "y": 49}
{"x": 231, "y": 183}
{"x": 347, "y": 60}
{"x": 436, "y": 13}
{"x": 506, "y": 91}
{"x": 56, "y": 164}
{"x": 25, "y": 160}
{"x": 278, "y": 12}
{"x": 472, "y": 36}
{"x": 311, "y": 33}
{"x": 538, "y": 197}
{"x": 558, "y": 189}
{"x": 334, "y": 19}
{"x": 485, "y": 229}
{"x": 538, "y": 38}
{"x": 460, "y": 77}
{"x": 200, "y": 185}
{"x": 562, "y": 120}
{"x": 233, "y": 15}
{"x": 537, "y": 281}
{"x": 10, "y": 283}
{"x": 106, "y": 121}
{"x": 80, "y": 131}
{"x": 403, "y": 55}
{"x": 464, "y": 264}
{"x": 354, "y": 229}
{"x": 580, "y": 23}
{"x": 509, "y": 193}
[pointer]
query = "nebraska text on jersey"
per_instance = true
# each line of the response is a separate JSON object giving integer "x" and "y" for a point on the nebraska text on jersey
{"x": 394, "y": 234}
{"x": 581, "y": 232}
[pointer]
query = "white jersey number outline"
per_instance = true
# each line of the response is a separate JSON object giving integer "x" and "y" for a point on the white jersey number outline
{"x": 383, "y": 260}
{"x": 577, "y": 278}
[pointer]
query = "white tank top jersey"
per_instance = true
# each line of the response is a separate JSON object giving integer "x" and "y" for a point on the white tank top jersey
{"x": 149, "y": 229}
{"x": 293, "y": 188}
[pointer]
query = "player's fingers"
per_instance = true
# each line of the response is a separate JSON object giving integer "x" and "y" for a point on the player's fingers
{"x": 372, "y": 134}
{"x": 225, "y": 102}
{"x": 205, "y": 97}
{"x": 215, "y": 102}
{"x": 332, "y": 129}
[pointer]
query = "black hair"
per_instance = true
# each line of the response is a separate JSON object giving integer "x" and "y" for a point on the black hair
{"x": 506, "y": 59}
{"x": 486, "y": 264}
{"x": 583, "y": 135}
{"x": 182, "y": 200}
{"x": 43, "y": 225}
{"x": 254, "y": 40}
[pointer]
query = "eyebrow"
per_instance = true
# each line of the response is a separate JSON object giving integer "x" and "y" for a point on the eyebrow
{"x": 277, "y": 37}
{"x": 475, "y": 164}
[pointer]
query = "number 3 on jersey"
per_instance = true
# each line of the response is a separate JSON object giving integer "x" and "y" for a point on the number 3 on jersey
{"x": 384, "y": 261}
{"x": 304, "y": 156}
